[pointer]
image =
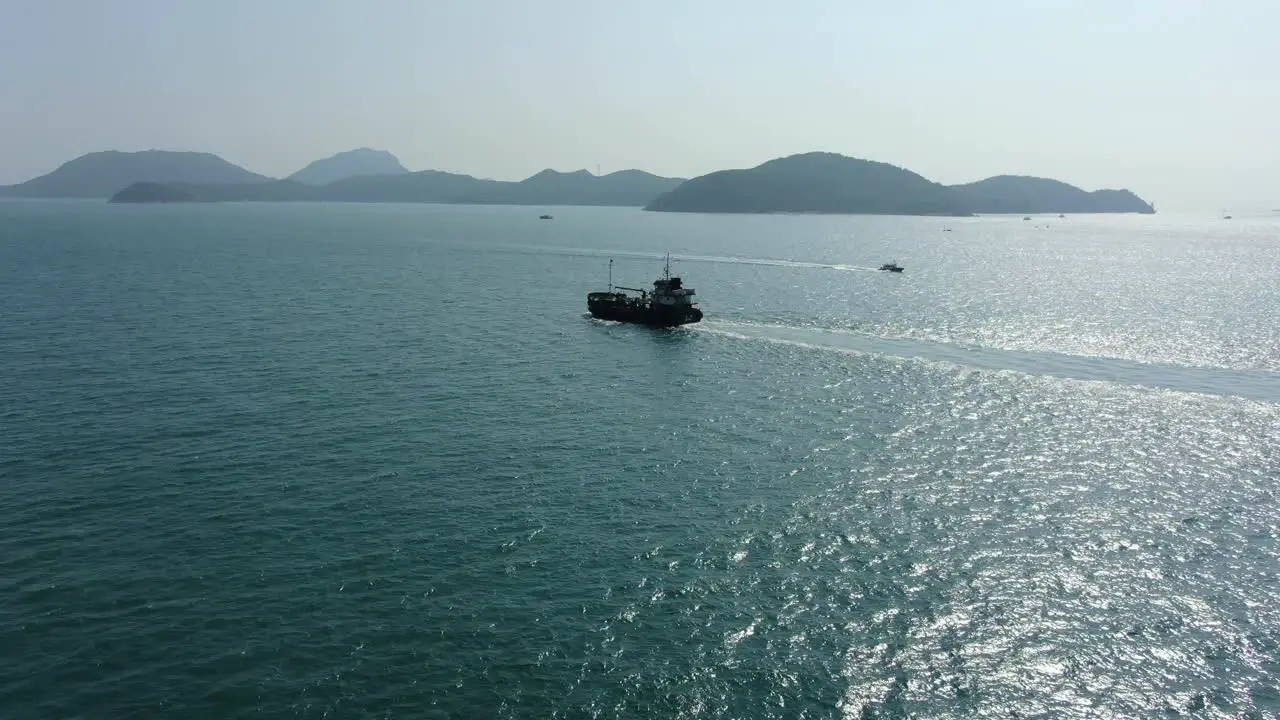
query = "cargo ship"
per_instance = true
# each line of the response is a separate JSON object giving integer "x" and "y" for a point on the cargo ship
{"x": 669, "y": 304}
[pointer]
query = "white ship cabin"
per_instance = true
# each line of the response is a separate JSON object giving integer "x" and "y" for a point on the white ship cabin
{"x": 669, "y": 291}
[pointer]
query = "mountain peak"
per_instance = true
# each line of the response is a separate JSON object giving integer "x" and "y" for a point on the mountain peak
{"x": 351, "y": 163}
{"x": 550, "y": 174}
{"x": 819, "y": 182}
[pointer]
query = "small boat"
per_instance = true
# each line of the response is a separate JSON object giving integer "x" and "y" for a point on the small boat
{"x": 892, "y": 267}
{"x": 1027, "y": 217}
{"x": 544, "y": 217}
{"x": 1061, "y": 215}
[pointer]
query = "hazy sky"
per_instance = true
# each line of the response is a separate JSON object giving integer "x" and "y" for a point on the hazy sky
{"x": 1177, "y": 100}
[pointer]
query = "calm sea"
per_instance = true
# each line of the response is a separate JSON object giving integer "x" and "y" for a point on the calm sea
{"x": 375, "y": 461}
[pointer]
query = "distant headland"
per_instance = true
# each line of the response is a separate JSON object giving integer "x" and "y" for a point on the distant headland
{"x": 829, "y": 183}
{"x": 815, "y": 182}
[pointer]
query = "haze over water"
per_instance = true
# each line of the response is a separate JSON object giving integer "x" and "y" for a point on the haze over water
{"x": 329, "y": 460}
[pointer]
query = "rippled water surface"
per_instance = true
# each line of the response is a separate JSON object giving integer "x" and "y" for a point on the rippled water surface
{"x": 348, "y": 461}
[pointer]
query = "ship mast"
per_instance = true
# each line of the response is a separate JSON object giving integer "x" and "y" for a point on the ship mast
{"x": 666, "y": 271}
{"x": 610, "y": 274}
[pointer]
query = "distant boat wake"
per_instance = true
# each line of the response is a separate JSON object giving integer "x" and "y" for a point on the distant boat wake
{"x": 631, "y": 254}
{"x": 1251, "y": 384}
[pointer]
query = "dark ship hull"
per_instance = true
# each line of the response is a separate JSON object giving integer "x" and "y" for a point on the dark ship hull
{"x": 621, "y": 308}
{"x": 669, "y": 304}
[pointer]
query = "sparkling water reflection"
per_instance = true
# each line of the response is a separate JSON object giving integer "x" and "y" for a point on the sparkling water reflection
{"x": 332, "y": 461}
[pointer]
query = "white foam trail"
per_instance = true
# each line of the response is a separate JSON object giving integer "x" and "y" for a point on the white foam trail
{"x": 1252, "y": 384}
{"x": 630, "y": 254}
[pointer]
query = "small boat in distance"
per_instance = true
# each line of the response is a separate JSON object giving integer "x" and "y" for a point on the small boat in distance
{"x": 544, "y": 217}
{"x": 669, "y": 304}
{"x": 892, "y": 267}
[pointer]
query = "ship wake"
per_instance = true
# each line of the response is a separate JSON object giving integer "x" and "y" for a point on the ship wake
{"x": 636, "y": 255}
{"x": 1251, "y": 384}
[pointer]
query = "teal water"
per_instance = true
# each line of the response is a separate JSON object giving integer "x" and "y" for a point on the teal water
{"x": 348, "y": 461}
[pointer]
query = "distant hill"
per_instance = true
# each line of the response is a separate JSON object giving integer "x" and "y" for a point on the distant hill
{"x": 352, "y": 163}
{"x": 272, "y": 190}
{"x": 817, "y": 182}
{"x": 831, "y": 183}
{"x": 813, "y": 183}
{"x": 1024, "y": 195}
{"x": 102, "y": 174}
{"x": 625, "y": 188}
{"x": 152, "y": 192}
{"x": 430, "y": 186}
